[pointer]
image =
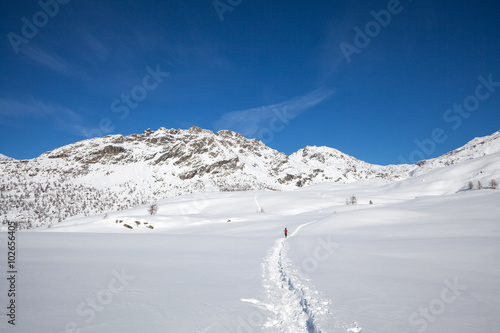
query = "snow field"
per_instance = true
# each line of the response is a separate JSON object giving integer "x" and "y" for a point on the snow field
{"x": 392, "y": 264}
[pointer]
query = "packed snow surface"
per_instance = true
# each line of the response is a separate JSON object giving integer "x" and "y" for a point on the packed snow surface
{"x": 422, "y": 258}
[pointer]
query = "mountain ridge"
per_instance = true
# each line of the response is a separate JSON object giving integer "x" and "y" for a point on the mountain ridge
{"x": 117, "y": 172}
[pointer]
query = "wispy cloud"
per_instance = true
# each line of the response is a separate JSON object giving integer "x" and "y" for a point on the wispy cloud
{"x": 94, "y": 46}
{"x": 329, "y": 56}
{"x": 50, "y": 61}
{"x": 248, "y": 122}
{"x": 62, "y": 118}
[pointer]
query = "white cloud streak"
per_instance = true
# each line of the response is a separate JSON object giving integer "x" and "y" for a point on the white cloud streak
{"x": 62, "y": 118}
{"x": 50, "y": 61}
{"x": 248, "y": 122}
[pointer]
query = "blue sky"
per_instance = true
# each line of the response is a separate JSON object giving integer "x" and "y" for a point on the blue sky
{"x": 384, "y": 81}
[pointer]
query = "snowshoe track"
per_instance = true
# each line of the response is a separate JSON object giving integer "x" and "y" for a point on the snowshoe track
{"x": 294, "y": 303}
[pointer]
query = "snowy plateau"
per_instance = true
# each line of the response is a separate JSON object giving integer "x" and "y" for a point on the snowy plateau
{"x": 419, "y": 251}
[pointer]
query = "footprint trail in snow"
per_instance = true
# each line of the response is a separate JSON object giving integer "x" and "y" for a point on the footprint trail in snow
{"x": 294, "y": 304}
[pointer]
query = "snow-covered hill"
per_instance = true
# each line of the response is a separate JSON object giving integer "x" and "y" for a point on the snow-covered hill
{"x": 118, "y": 172}
{"x": 475, "y": 148}
{"x": 4, "y": 158}
{"x": 422, "y": 258}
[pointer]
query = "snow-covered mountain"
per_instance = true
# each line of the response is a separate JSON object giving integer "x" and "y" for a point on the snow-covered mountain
{"x": 5, "y": 158}
{"x": 118, "y": 172}
{"x": 422, "y": 257}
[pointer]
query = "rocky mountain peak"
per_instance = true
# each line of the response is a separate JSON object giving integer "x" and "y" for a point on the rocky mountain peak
{"x": 117, "y": 172}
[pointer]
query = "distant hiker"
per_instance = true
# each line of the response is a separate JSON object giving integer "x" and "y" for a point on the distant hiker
{"x": 286, "y": 233}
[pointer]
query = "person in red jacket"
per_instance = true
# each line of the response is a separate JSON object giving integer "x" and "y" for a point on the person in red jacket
{"x": 286, "y": 233}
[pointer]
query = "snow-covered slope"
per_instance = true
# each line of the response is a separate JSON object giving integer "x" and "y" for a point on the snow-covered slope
{"x": 118, "y": 172}
{"x": 477, "y": 147}
{"x": 328, "y": 164}
{"x": 422, "y": 258}
{"x": 4, "y": 158}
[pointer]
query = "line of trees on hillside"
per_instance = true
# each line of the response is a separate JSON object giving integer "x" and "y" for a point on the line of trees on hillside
{"x": 492, "y": 185}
